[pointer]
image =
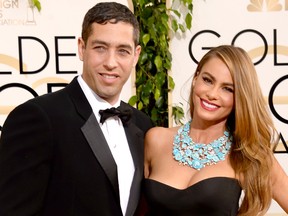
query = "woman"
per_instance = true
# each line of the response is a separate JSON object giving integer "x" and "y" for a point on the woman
{"x": 202, "y": 167}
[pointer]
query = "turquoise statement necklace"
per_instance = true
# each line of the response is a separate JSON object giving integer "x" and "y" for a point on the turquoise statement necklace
{"x": 199, "y": 155}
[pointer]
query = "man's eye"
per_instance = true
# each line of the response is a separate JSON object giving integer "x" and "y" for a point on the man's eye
{"x": 99, "y": 48}
{"x": 124, "y": 52}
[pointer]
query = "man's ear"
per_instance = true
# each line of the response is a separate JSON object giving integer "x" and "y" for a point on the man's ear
{"x": 137, "y": 54}
{"x": 81, "y": 48}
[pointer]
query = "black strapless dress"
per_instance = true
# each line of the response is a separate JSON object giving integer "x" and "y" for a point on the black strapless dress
{"x": 217, "y": 196}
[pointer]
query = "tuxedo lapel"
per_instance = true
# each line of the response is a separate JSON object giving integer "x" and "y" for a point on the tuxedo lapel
{"x": 101, "y": 150}
{"x": 99, "y": 146}
{"x": 135, "y": 141}
{"x": 93, "y": 133}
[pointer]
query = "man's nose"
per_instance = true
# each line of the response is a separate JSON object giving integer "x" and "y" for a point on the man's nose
{"x": 110, "y": 60}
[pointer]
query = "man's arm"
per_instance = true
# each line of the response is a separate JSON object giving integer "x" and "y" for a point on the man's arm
{"x": 25, "y": 152}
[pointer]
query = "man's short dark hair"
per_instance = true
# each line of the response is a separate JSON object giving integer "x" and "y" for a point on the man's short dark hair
{"x": 111, "y": 12}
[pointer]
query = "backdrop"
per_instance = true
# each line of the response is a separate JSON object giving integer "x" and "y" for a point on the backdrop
{"x": 38, "y": 50}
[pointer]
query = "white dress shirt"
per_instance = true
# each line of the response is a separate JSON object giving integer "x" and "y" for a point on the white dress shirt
{"x": 115, "y": 136}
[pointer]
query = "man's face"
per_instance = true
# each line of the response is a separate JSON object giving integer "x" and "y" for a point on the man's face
{"x": 108, "y": 58}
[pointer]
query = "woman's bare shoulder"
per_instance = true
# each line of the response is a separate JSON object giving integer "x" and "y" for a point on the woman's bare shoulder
{"x": 158, "y": 140}
{"x": 160, "y": 135}
{"x": 161, "y": 131}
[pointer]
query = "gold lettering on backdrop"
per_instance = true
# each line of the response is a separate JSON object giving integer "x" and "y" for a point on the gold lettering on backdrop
{"x": 282, "y": 50}
{"x": 267, "y": 5}
{"x": 46, "y": 80}
{"x": 6, "y": 109}
{"x": 11, "y": 61}
{"x": 281, "y": 146}
{"x": 278, "y": 100}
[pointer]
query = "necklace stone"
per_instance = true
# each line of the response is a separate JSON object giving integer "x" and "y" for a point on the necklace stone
{"x": 199, "y": 155}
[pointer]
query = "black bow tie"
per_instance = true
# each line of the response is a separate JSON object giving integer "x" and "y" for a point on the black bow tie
{"x": 123, "y": 114}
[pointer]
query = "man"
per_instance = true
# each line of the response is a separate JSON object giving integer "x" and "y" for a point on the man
{"x": 58, "y": 157}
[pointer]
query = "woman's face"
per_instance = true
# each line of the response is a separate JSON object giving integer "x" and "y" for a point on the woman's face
{"x": 213, "y": 92}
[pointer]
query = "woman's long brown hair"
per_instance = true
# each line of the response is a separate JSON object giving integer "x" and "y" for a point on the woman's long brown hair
{"x": 252, "y": 128}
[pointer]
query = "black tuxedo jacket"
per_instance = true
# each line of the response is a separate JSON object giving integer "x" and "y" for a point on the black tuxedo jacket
{"x": 54, "y": 159}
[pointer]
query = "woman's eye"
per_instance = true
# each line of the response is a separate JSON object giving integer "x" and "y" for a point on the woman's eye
{"x": 207, "y": 80}
{"x": 229, "y": 89}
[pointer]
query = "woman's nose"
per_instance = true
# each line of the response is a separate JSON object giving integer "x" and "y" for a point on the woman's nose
{"x": 212, "y": 93}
